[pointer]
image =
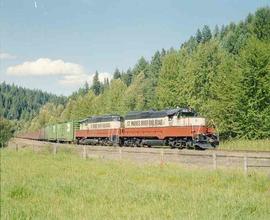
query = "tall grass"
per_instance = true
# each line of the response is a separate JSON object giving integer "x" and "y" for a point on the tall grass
{"x": 43, "y": 186}
{"x": 256, "y": 145}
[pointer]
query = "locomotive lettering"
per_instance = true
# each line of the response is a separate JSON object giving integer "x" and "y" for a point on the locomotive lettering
{"x": 145, "y": 123}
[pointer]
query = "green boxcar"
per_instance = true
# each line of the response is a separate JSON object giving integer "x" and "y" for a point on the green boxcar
{"x": 66, "y": 131}
{"x": 46, "y": 134}
{"x": 42, "y": 134}
{"x": 51, "y": 133}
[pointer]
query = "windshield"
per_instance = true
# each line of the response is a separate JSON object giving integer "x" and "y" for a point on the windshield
{"x": 186, "y": 114}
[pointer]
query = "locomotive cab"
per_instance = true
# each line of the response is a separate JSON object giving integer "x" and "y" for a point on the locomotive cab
{"x": 203, "y": 137}
{"x": 186, "y": 113}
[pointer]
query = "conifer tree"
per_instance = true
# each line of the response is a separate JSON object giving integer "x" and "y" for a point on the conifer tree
{"x": 141, "y": 66}
{"x": 127, "y": 77}
{"x": 117, "y": 74}
{"x": 216, "y": 31}
{"x": 262, "y": 23}
{"x": 199, "y": 36}
{"x": 206, "y": 34}
{"x": 96, "y": 86}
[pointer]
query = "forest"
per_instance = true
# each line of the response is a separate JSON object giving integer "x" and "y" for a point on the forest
{"x": 224, "y": 74}
{"x": 17, "y": 103}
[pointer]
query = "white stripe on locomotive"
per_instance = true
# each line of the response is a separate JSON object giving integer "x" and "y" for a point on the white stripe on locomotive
{"x": 101, "y": 125}
{"x": 165, "y": 121}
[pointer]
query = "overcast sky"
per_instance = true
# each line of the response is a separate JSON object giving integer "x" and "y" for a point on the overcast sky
{"x": 56, "y": 45}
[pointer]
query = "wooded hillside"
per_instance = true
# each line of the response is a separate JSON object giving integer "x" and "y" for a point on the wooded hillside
{"x": 23, "y": 104}
{"x": 223, "y": 73}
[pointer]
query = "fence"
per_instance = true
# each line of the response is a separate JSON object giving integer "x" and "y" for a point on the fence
{"x": 162, "y": 156}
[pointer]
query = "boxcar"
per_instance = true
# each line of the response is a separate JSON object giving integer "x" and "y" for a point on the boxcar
{"x": 42, "y": 134}
{"x": 46, "y": 132}
{"x": 33, "y": 135}
{"x": 51, "y": 132}
{"x": 66, "y": 131}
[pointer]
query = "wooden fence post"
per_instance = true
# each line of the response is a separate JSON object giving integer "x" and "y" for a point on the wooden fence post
{"x": 17, "y": 147}
{"x": 161, "y": 157}
{"x": 84, "y": 152}
{"x": 214, "y": 161}
{"x": 54, "y": 149}
{"x": 245, "y": 165}
{"x": 120, "y": 153}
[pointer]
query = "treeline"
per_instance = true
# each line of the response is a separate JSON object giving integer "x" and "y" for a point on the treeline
{"x": 17, "y": 103}
{"x": 223, "y": 73}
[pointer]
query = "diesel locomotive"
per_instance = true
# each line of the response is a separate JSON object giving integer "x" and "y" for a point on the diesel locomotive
{"x": 176, "y": 128}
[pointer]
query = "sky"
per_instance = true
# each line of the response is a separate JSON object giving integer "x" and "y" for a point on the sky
{"x": 57, "y": 45}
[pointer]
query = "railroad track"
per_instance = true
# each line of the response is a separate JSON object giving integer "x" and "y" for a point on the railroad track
{"x": 146, "y": 149}
{"x": 212, "y": 159}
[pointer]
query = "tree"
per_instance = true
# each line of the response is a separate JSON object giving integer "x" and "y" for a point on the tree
{"x": 6, "y": 131}
{"x": 49, "y": 113}
{"x": 216, "y": 31}
{"x": 262, "y": 23}
{"x": 199, "y": 36}
{"x": 253, "y": 102}
{"x": 170, "y": 90}
{"x": 190, "y": 45}
{"x": 106, "y": 83}
{"x": 22, "y": 104}
{"x": 206, "y": 34}
{"x": 134, "y": 97}
{"x": 117, "y": 74}
{"x": 66, "y": 115}
{"x": 86, "y": 86}
{"x": 209, "y": 84}
{"x": 127, "y": 77}
{"x": 163, "y": 52}
{"x": 151, "y": 80}
{"x": 83, "y": 90}
{"x": 96, "y": 86}
{"x": 222, "y": 32}
{"x": 113, "y": 98}
{"x": 141, "y": 66}
{"x": 85, "y": 106}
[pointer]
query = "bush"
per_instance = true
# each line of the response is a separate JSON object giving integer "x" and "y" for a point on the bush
{"x": 6, "y": 131}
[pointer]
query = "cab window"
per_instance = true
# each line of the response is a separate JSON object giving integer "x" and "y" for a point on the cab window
{"x": 186, "y": 114}
{"x": 170, "y": 117}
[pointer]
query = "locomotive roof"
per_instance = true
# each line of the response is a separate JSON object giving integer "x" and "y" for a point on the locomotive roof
{"x": 157, "y": 114}
{"x": 102, "y": 118}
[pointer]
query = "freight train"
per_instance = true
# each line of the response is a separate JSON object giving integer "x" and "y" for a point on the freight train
{"x": 176, "y": 128}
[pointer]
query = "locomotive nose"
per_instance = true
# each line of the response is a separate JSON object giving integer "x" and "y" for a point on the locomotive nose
{"x": 213, "y": 140}
{"x": 206, "y": 141}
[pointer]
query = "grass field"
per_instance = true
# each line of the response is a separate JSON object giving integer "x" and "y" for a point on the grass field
{"x": 256, "y": 145}
{"x": 43, "y": 186}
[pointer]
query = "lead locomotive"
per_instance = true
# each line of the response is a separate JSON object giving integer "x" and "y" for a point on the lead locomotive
{"x": 177, "y": 128}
